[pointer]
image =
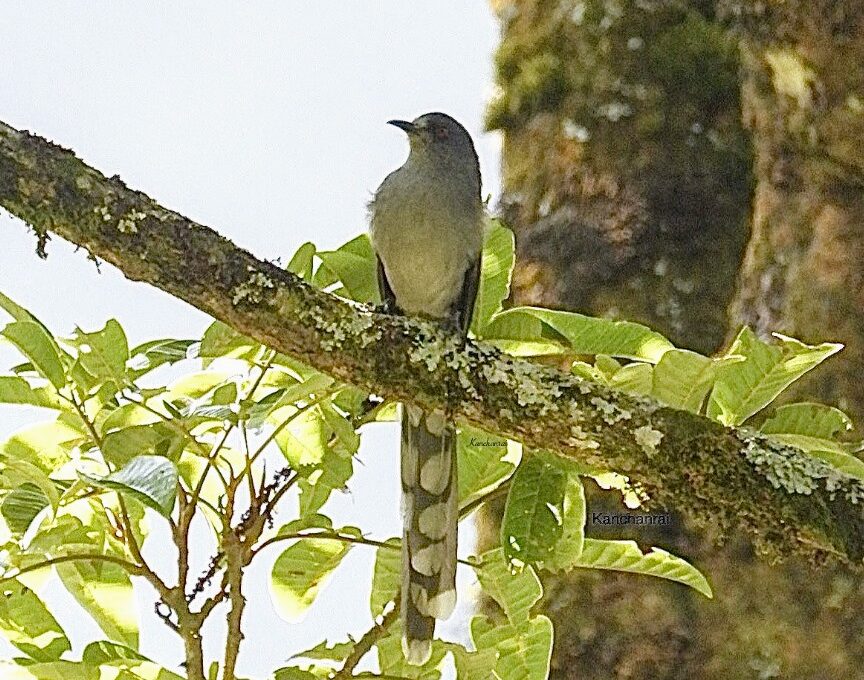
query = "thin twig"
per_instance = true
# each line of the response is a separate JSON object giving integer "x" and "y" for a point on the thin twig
{"x": 131, "y": 567}
{"x": 344, "y": 538}
{"x": 365, "y": 643}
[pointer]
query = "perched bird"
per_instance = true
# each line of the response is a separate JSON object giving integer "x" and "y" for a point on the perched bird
{"x": 427, "y": 231}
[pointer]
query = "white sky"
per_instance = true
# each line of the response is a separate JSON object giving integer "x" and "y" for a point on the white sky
{"x": 265, "y": 121}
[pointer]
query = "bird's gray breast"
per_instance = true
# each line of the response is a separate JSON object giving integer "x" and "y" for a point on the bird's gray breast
{"x": 426, "y": 233}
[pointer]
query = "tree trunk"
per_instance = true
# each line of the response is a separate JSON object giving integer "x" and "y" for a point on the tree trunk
{"x": 633, "y": 182}
{"x": 803, "y": 101}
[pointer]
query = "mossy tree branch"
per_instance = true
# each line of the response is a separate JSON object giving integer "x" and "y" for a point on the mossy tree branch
{"x": 734, "y": 479}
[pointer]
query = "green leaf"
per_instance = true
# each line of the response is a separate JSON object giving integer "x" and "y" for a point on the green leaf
{"x": 27, "y": 623}
{"x": 104, "y": 590}
{"x": 472, "y": 665}
{"x": 150, "y": 479}
{"x": 682, "y": 379}
{"x": 386, "y": 578}
{"x": 220, "y": 340}
{"x": 484, "y": 461}
{"x": 113, "y": 669}
{"x": 392, "y": 662}
{"x": 52, "y": 670}
{"x": 745, "y": 387}
{"x": 15, "y": 390}
{"x": 39, "y": 347}
{"x": 496, "y": 270}
{"x": 569, "y": 546}
{"x": 354, "y": 265}
{"x": 336, "y": 653}
{"x": 303, "y": 441}
{"x": 16, "y": 311}
{"x": 523, "y": 652}
{"x": 515, "y": 592}
{"x": 626, "y": 556}
{"x": 346, "y": 436}
{"x": 105, "y": 651}
{"x": 120, "y": 446}
{"x": 104, "y": 353}
{"x": 150, "y": 355}
{"x": 273, "y": 405}
{"x": 20, "y": 507}
{"x": 16, "y": 474}
{"x": 810, "y": 420}
{"x": 301, "y": 261}
{"x": 814, "y": 428}
{"x": 533, "y": 517}
{"x": 300, "y": 572}
{"x": 523, "y": 644}
{"x": 292, "y": 673}
{"x": 578, "y": 333}
{"x": 45, "y": 445}
{"x": 635, "y": 378}
{"x": 844, "y": 462}
{"x": 335, "y": 471}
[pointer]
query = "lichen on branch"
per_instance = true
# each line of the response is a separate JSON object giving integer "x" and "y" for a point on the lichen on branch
{"x": 732, "y": 478}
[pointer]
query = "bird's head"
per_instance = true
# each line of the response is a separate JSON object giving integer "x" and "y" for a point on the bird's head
{"x": 440, "y": 139}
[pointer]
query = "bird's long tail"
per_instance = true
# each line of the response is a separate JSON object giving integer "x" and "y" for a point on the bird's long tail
{"x": 430, "y": 514}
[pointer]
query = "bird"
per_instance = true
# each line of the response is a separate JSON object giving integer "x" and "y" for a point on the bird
{"x": 426, "y": 229}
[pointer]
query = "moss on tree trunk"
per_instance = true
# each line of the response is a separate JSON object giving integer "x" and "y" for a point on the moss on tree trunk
{"x": 643, "y": 143}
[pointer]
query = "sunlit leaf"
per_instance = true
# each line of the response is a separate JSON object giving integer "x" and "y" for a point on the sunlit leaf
{"x": 220, "y": 340}
{"x": 683, "y": 378}
{"x": 19, "y": 474}
{"x": 386, "y": 577}
{"x": 15, "y": 390}
{"x": 392, "y": 661}
{"x": 814, "y": 428}
{"x": 533, "y": 517}
{"x": 105, "y": 651}
{"x": 301, "y": 571}
{"x": 104, "y": 590}
{"x": 496, "y": 269}
{"x": 104, "y": 353}
{"x": 578, "y": 333}
{"x": 39, "y": 347}
{"x": 354, "y": 266}
{"x": 626, "y": 556}
{"x": 16, "y": 311}
{"x": 745, "y": 387}
{"x": 20, "y": 507}
{"x": 302, "y": 260}
{"x": 27, "y": 623}
{"x": 335, "y": 471}
{"x": 303, "y": 441}
{"x": 45, "y": 445}
{"x": 150, "y": 479}
{"x": 635, "y": 378}
{"x": 523, "y": 651}
{"x": 808, "y": 419}
{"x": 473, "y": 665}
{"x": 120, "y": 446}
{"x": 150, "y": 355}
{"x": 569, "y": 546}
{"x": 515, "y": 592}
{"x": 484, "y": 461}
{"x": 336, "y": 652}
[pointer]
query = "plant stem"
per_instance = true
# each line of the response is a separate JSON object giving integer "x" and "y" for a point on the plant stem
{"x": 365, "y": 643}
{"x": 131, "y": 567}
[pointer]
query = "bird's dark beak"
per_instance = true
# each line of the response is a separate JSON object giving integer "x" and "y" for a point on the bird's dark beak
{"x": 404, "y": 125}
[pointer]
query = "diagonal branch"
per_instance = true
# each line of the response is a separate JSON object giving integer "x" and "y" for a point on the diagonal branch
{"x": 733, "y": 479}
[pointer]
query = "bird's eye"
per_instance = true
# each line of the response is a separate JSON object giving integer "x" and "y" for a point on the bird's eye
{"x": 441, "y": 132}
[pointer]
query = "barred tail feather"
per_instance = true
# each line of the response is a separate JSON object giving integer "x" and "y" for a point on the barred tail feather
{"x": 430, "y": 514}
